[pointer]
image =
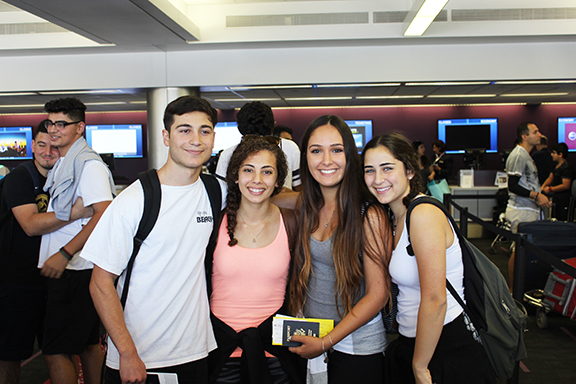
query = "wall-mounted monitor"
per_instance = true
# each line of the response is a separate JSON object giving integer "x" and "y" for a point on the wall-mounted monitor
{"x": 16, "y": 143}
{"x": 227, "y": 135}
{"x": 567, "y": 132}
{"x": 462, "y": 134}
{"x": 123, "y": 140}
{"x": 361, "y": 131}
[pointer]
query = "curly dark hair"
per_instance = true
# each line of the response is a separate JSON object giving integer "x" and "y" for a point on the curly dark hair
{"x": 255, "y": 118}
{"x": 70, "y": 106}
{"x": 402, "y": 149}
{"x": 249, "y": 146}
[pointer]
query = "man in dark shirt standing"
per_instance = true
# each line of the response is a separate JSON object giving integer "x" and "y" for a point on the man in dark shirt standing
{"x": 23, "y": 219}
{"x": 543, "y": 159}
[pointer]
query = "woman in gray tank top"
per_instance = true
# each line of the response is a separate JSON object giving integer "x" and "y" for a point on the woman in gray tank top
{"x": 340, "y": 266}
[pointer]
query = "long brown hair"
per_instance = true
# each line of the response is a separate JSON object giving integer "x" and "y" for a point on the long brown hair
{"x": 348, "y": 236}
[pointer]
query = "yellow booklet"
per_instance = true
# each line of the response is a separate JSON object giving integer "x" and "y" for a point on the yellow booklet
{"x": 283, "y": 327}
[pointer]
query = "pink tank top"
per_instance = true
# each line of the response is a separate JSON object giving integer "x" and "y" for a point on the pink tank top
{"x": 248, "y": 285}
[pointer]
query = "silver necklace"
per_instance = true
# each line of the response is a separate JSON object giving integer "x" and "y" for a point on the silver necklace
{"x": 395, "y": 223}
{"x": 329, "y": 220}
{"x": 248, "y": 228}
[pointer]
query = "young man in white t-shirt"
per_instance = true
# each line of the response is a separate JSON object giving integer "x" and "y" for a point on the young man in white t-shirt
{"x": 165, "y": 325}
{"x": 71, "y": 324}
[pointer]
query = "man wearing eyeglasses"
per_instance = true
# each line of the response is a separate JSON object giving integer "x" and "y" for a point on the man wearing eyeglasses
{"x": 23, "y": 220}
{"x": 72, "y": 324}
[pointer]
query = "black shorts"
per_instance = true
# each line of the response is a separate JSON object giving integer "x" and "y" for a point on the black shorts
{"x": 22, "y": 310}
{"x": 195, "y": 372}
{"x": 458, "y": 358}
{"x": 344, "y": 368}
{"x": 71, "y": 319}
{"x": 231, "y": 371}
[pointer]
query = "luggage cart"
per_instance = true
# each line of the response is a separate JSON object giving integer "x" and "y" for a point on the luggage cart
{"x": 500, "y": 240}
{"x": 558, "y": 295}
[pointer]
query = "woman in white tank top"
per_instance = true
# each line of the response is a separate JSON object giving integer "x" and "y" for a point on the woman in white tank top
{"x": 435, "y": 345}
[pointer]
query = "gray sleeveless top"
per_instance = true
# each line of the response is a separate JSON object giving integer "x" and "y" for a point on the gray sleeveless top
{"x": 320, "y": 303}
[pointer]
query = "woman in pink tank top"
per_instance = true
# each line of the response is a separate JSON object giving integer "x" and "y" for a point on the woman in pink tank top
{"x": 250, "y": 269}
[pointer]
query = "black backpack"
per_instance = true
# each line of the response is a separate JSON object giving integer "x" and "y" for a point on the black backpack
{"x": 499, "y": 319}
{"x": 152, "y": 199}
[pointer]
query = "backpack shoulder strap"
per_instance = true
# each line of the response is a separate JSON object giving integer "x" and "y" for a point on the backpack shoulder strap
{"x": 461, "y": 239}
{"x": 152, "y": 198}
{"x": 426, "y": 200}
{"x": 34, "y": 173}
{"x": 215, "y": 195}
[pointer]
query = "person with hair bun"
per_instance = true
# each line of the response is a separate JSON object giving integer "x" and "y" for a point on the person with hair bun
{"x": 341, "y": 257}
{"x": 250, "y": 268}
{"x": 435, "y": 344}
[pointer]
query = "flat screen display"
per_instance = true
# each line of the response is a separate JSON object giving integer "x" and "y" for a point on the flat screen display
{"x": 123, "y": 140}
{"x": 16, "y": 143}
{"x": 361, "y": 131}
{"x": 462, "y": 134}
{"x": 226, "y": 135}
{"x": 567, "y": 132}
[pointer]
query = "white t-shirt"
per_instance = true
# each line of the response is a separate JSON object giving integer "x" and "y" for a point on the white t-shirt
{"x": 289, "y": 148}
{"x": 93, "y": 187}
{"x": 167, "y": 311}
{"x": 519, "y": 163}
{"x": 403, "y": 269}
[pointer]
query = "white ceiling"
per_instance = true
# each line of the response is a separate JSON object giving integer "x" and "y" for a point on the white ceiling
{"x": 40, "y": 28}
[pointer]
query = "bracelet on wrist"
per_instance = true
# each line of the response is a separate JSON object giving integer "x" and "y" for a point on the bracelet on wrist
{"x": 65, "y": 253}
{"x": 323, "y": 349}
{"x": 331, "y": 342}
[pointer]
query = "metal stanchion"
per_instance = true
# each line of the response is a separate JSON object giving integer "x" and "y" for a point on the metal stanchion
{"x": 518, "y": 288}
{"x": 519, "y": 268}
{"x": 464, "y": 222}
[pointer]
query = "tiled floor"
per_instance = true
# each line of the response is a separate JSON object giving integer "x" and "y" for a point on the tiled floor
{"x": 551, "y": 352}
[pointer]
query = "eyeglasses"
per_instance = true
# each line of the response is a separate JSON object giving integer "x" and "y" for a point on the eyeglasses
{"x": 59, "y": 124}
{"x": 274, "y": 140}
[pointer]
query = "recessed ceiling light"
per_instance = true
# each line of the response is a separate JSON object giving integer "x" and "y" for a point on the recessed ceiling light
{"x": 18, "y": 94}
{"x": 247, "y": 99}
{"x": 358, "y": 85}
{"x": 444, "y": 83}
{"x": 389, "y": 97}
{"x": 425, "y": 15}
{"x": 524, "y": 82}
{"x": 102, "y": 91}
{"x": 459, "y": 96}
{"x": 21, "y": 105}
{"x": 250, "y": 87}
{"x": 533, "y": 94}
{"x": 317, "y": 98}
